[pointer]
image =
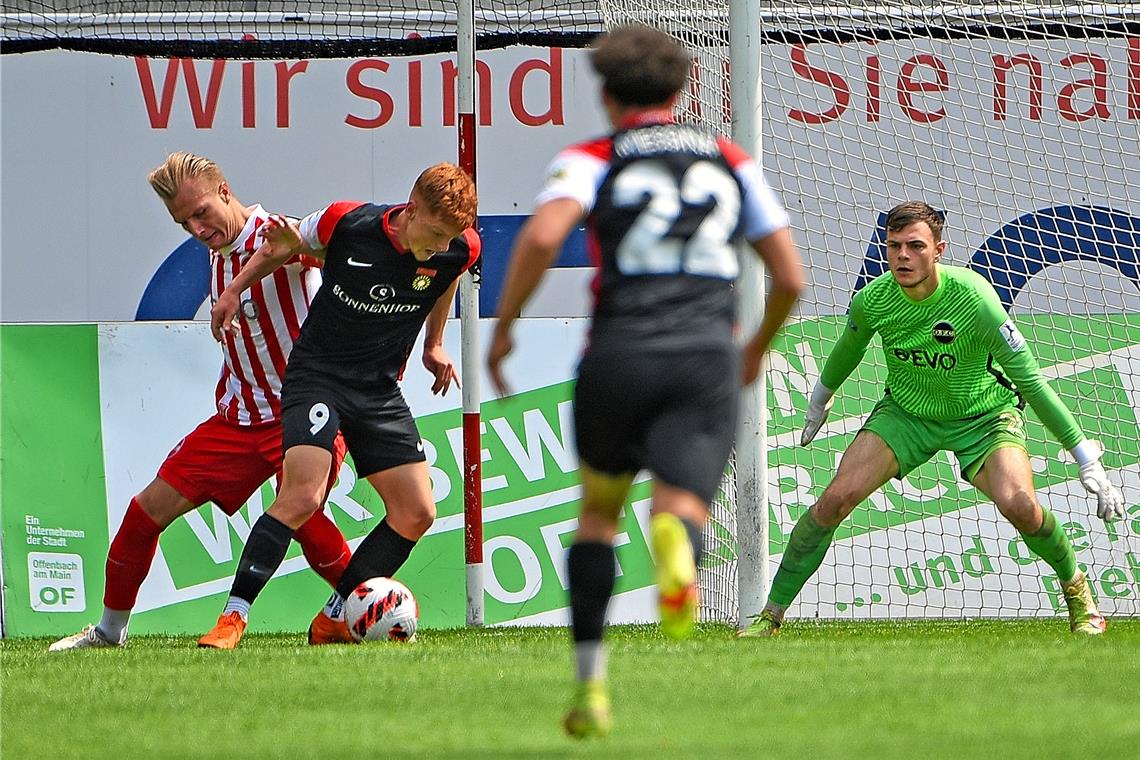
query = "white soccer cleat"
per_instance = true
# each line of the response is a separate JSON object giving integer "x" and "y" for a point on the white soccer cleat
{"x": 88, "y": 638}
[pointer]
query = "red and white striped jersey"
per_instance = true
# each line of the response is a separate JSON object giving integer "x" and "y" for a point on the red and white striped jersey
{"x": 255, "y": 354}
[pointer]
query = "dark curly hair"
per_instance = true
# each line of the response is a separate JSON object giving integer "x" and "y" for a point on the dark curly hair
{"x": 639, "y": 65}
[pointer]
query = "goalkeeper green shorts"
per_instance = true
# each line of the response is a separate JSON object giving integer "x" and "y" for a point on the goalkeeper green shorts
{"x": 914, "y": 440}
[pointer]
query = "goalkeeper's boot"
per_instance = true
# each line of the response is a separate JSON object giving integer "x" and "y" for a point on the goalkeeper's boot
{"x": 765, "y": 625}
{"x": 88, "y": 638}
{"x": 226, "y": 633}
{"x": 325, "y": 630}
{"x": 676, "y": 575}
{"x": 1084, "y": 617}
{"x": 589, "y": 715}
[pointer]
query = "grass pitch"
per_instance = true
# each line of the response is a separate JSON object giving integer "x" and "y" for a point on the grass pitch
{"x": 1006, "y": 690}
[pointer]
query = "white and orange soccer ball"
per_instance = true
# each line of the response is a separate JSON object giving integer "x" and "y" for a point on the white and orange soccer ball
{"x": 382, "y": 609}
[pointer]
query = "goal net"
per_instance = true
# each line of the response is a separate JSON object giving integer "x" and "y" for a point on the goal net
{"x": 1021, "y": 122}
{"x": 249, "y": 29}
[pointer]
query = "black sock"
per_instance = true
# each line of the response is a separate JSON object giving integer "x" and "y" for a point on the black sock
{"x": 592, "y": 576}
{"x": 263, "y": 553}
{"x": 695, "y": 539}
{"x": 380, "y": 554}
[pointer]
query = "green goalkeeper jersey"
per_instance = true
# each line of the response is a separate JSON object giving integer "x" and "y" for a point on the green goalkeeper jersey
{"x": 956, "y": 354}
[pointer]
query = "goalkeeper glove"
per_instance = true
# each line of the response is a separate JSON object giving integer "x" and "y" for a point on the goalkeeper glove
{"x": 818, "y": 408}
{"x": 1109, "y": 499}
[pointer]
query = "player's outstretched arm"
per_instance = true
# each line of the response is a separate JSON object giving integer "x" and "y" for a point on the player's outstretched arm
{"x": 536, "y": 249}
{"x": 1013, "y": 353}
{"x": 1022, "y": 368}
{"x": 283, "y": 241}
{"x": 841, "y": 362}
{"x": 786, "y": 271}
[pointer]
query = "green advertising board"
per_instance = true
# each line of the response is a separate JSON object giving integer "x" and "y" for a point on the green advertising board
{"x": 62, "y": 421}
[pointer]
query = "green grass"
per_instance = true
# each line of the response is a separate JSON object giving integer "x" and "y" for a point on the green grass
{"x": 839, "y": 690}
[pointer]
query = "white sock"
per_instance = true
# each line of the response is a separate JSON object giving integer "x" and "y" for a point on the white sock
{"x": 240, "y": 606}
{"x": 591, "y": 659}
{"x": 113, "y": 625}
{"x": 334, "y": 607}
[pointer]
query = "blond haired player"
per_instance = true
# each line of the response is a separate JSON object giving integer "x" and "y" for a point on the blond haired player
{"x": 229, "y": 456}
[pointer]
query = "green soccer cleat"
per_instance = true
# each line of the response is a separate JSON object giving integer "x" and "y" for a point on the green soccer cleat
{"x": 676, "y": 575}
{"x": 589, "y": 715}
{"x": 765, "y": 625}
{"x": 1084, "y": 617}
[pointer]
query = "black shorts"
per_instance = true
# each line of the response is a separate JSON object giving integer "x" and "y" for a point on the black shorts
{"x": 377, "y": 425}
{"x": 673, "y": 414}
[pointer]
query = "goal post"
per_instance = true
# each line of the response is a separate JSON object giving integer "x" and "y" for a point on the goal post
{"x": 751, "y": 458}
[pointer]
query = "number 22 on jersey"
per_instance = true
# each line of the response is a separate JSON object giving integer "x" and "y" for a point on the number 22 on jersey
{"x": 649, "y": 248}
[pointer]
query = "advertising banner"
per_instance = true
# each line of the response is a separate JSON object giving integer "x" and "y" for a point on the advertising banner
{"x": 106, "y": 363}
{"x": 89, "y": 412}
{"x": 82, "y": 131}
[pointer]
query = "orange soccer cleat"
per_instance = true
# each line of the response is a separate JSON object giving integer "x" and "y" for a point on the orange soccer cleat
{"x": 325, "y": 630}
{"x": 226, "y": 633}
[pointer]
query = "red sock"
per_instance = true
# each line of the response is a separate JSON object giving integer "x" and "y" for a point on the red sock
{"x": 324, "y": 547}
{"x": 128, "y": 559}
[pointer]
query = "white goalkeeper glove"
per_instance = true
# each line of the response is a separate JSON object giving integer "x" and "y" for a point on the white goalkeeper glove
{"x": 1109, "y": 499}
{"x": 818, "y": 408}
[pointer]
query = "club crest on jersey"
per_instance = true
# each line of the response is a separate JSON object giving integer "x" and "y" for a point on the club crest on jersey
{"x": 381, "y": 292}
{"x": 423, "y": 278}
{"x": 943, "y": 332}
{"x": 250, "y": 310}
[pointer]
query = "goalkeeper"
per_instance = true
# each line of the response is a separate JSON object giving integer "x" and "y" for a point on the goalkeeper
{"x": 943, "y": 331}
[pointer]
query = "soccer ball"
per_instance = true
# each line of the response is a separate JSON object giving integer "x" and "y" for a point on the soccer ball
{"x": 381, "y": 609}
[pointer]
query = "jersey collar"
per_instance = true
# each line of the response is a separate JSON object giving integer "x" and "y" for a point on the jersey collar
{"x": 245, "y": 240}
{"x": 390, "y": 231}
{"x": 935, "y": 296}
{"x": 643, "y": 118}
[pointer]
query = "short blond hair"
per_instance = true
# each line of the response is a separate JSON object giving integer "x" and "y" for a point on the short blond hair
{"x": 179, "y": 167}
{"x": 448, "y": 190}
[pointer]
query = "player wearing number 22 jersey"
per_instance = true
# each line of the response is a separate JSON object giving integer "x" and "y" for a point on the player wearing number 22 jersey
{"x": 664, "y": 205}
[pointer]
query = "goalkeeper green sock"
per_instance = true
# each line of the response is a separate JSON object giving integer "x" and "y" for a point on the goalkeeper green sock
{"x": 1051, "y": 544}
{"x": 806, "y": 549}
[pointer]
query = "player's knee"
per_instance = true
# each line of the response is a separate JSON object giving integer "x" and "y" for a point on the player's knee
{"x": 413, "y": 520}
{"x": 834, "y": 506}
{"x": 162, "y": 503}
{"x": 1020, "y": 508}
{"x": 295, "y": 506}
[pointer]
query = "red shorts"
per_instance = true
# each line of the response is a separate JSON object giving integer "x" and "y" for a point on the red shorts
{"x": 225, "y": 463}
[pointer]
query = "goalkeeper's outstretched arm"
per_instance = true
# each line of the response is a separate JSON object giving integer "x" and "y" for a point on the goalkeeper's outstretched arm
{"x": 845, "y": 356}
{"x": 1010, "y": 349}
